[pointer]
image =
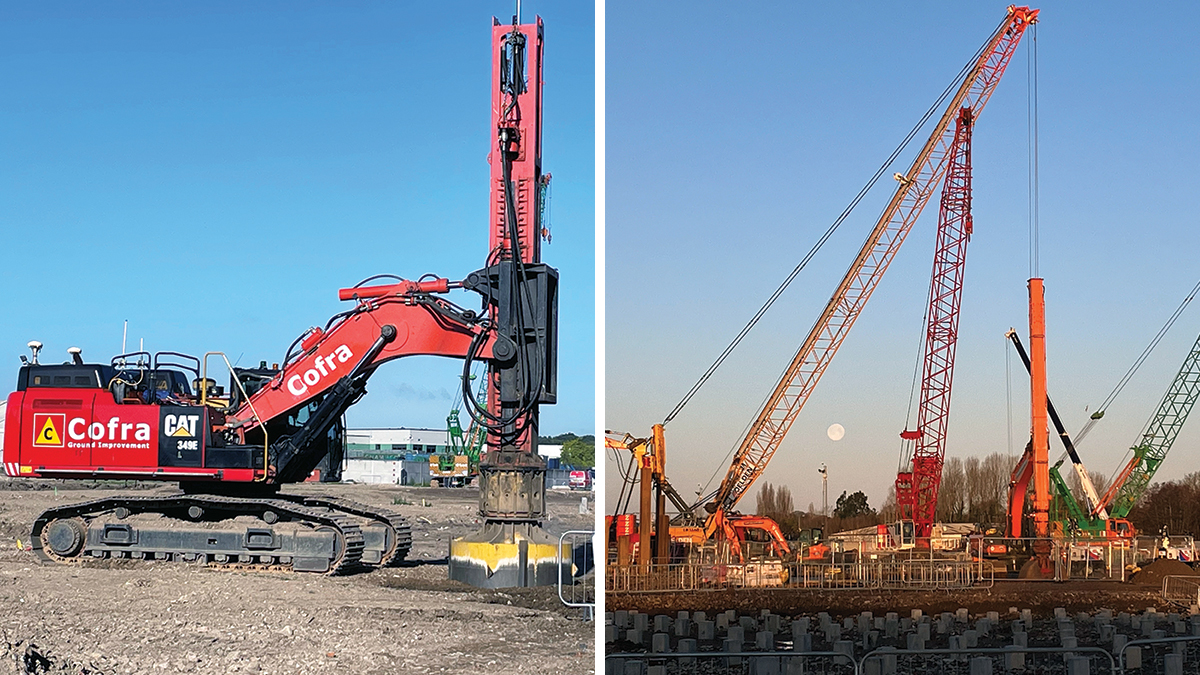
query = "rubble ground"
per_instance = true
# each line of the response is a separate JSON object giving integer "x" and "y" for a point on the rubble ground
{"x": 1041, "y": 597}
{"x": 155, "y": 617}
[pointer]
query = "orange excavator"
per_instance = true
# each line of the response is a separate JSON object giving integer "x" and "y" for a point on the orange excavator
{"x": 648, "y": 455}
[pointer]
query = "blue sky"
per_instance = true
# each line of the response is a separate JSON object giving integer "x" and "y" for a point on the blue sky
{"x": 215, "y": 172}
{"x": 735, "y": 139}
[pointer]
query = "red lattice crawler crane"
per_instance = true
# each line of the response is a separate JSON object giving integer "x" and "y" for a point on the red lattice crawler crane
{"x": 925, "y": 447}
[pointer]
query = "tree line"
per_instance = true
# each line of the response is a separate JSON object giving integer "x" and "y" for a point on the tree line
{"x": 578, "y": 452}
{"x": 975, "y": 490}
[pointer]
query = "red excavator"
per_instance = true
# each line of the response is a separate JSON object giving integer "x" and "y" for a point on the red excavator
{"x": 161, "y": 417}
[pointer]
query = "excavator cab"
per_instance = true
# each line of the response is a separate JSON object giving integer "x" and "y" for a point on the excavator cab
{"x": 251, "y": 379}
{"x": 138, "y": 377}
{"x": 65, "y": 376}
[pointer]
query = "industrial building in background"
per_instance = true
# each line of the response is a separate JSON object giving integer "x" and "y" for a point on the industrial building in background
{"x": 404, "y": 457}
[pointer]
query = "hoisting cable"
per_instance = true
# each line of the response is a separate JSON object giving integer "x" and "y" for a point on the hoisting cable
{"x": 1032, "y": 103}
{"x": 1096, "y": 416}
{"x": 825, "y": 237}
{"x": 912, "y": 391}
{"x": 1008, "y": 392}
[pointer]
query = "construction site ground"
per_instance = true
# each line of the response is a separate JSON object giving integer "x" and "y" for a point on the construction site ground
{"x": 1042, "y": 597}
{"x": 157, "y": 617}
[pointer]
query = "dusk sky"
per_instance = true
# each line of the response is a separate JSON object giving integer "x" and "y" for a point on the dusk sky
{"x": 735, "y": 138}
{"x": 214, "y": 173}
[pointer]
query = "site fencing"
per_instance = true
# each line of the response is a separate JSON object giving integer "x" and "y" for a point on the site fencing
{"x": 1181, "y": 590}
{"x": 1072, "y": 661}
{"x": 578, "y": 588}
{"x": 1159, "y": 654}
{"x": 858, "y": 563}
{"x": 733, "y": 663}
{"x": 729, "y": 642}
{"x": 875, "y": 574}
{"x": 1071, "y": 558}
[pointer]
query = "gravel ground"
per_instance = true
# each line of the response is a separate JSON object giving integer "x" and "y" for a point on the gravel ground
{"x": 147, "y": 617}
{"x": 1042, "y": 597}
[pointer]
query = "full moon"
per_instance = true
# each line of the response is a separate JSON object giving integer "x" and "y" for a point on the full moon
{"x": 836, "y": 431}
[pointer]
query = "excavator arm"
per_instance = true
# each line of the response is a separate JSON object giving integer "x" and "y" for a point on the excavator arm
{"x": 421, "y": 323}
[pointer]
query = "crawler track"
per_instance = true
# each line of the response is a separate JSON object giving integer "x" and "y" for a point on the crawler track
{"x": 291, "y": 535}
{"x": 397, "y": 539}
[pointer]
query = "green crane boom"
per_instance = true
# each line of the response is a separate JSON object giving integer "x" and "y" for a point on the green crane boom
{"x": 1157, "y": 438}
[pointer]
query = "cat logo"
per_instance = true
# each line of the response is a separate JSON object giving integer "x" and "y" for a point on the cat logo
{"x": 181, "y": 426}
{"x": 46, "y": 429}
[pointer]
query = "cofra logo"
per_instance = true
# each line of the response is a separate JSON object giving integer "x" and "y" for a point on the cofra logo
{"x": 47, "y": 429}
{"x": 323, "y": 366}
{"x": 79, "y": 429}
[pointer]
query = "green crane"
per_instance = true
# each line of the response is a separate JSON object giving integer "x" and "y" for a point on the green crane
{"x": 1157, "y": 438}
{"x": 459, "y": 464}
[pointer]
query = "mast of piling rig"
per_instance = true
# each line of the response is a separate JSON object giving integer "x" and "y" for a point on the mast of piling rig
{"x": 1038, "y": 415}
{"x": 512, "y": 549}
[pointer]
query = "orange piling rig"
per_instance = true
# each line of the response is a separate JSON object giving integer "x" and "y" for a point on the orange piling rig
{"x": 1038, "y": 414}
{"x": 655, "y": 532}
{"x": 1039, "y": 418}
{"x": 645, "y": 516}
{"x": 662, "y": 527}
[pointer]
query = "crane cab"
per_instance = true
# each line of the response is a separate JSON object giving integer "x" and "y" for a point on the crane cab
{"x": 1119, "y": 528}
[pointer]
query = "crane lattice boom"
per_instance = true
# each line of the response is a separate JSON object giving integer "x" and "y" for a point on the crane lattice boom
{"x": 1158, "y": 436}
{"x": 881, "y": 246}
{"x": 917, "y": 487}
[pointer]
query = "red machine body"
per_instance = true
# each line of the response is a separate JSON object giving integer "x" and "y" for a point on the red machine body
{"x": 72, "y": 420}
{"x": 62, "y": 433}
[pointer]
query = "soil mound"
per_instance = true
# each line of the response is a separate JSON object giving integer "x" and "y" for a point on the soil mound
{"x": 1153, "y": 573}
